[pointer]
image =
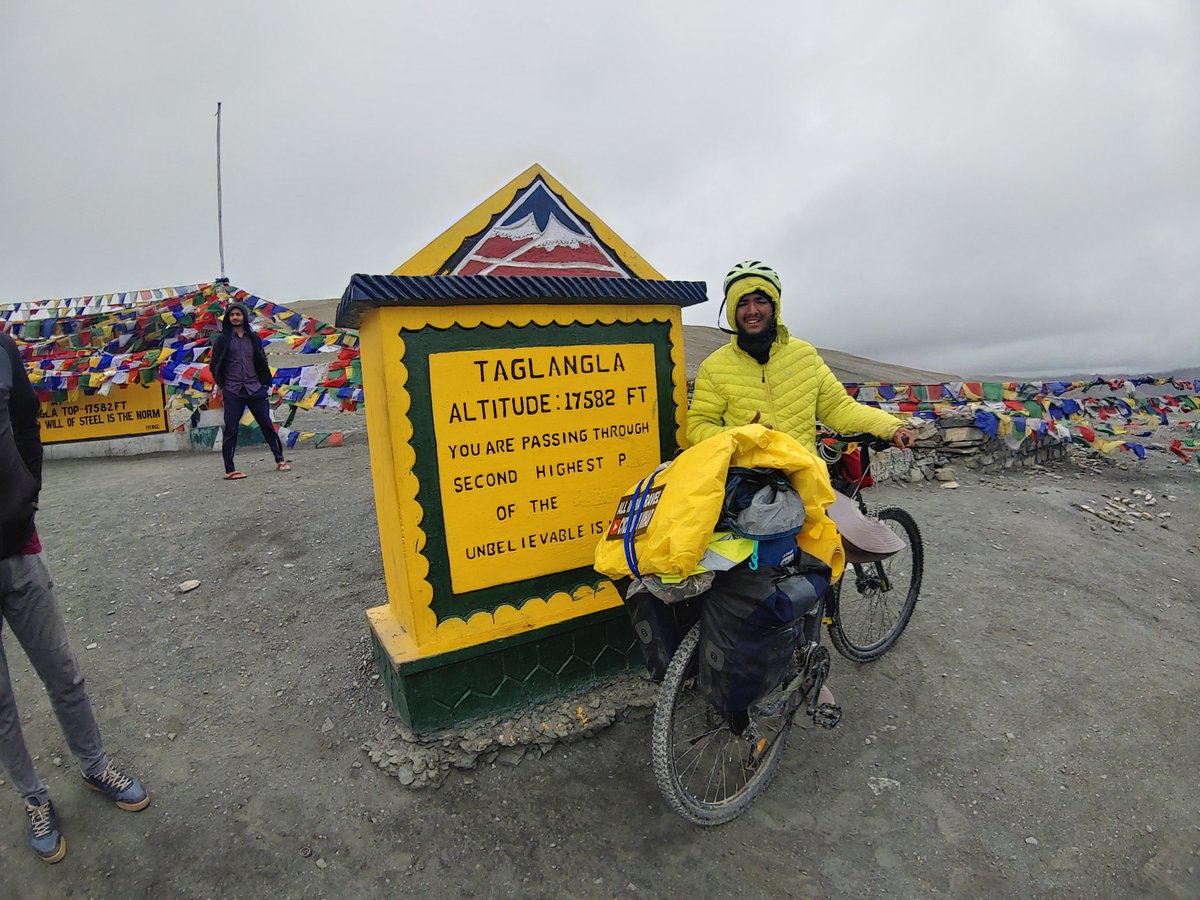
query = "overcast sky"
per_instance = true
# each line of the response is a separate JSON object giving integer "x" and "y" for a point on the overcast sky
{"x": 964, "y": 186}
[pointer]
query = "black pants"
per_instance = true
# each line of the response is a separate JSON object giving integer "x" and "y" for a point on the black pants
{"x": 234, "y": 407}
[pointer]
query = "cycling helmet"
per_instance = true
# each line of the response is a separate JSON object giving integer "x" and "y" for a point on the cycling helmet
{"x": 752, "y": 268}
{"x": 745, "y": 278}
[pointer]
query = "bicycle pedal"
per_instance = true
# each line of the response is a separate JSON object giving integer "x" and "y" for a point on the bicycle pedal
{"x": 827, "y": 715}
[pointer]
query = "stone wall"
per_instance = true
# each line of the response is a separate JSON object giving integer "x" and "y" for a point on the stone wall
{"x": 955, "y": 441}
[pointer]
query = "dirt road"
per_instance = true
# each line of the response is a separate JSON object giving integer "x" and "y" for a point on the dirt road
{"x": 1036, "y": 732}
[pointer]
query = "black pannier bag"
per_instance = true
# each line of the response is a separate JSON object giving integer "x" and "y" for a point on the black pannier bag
{"x": 659, "y": 626}
{"x": 751, "y": 621}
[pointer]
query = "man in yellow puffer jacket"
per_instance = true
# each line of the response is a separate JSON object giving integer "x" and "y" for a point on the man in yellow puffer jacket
{"x": 766, "y": 376}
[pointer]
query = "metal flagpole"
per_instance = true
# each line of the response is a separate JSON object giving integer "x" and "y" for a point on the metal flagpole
{"x": 220, "y": 224}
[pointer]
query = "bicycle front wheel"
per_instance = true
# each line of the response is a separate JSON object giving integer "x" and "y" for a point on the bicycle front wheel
{"x": 871, "y": 612}
{"x": 708, "y": 774}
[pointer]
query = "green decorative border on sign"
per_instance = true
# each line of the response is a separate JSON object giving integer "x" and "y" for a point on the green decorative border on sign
{"x": 420, "y": 344}
{"x": 511, "y": 673}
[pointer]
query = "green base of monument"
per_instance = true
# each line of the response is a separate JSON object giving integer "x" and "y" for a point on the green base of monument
{"x": 511, "y": 673}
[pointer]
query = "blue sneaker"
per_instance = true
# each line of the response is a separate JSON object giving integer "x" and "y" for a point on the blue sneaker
{"x": 44, "y": 836}
{"x": 122, "y": 790}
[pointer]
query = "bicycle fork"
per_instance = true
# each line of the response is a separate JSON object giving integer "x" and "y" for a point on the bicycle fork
{"x": 881, "y": 575}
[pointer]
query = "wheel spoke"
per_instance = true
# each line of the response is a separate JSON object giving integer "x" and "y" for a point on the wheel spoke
{"x": 698, "y": 738}
{"x": 718, "y": 759}
{"x": 695, "y": 764}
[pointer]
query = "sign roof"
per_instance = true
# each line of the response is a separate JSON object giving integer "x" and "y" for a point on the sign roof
{"x": 531, "y": 226}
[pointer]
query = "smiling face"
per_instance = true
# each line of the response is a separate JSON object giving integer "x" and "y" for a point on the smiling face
{"x": 236, "y": 318}
{"x": 754, "y": 314}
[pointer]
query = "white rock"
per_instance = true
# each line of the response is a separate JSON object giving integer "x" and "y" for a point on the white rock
{"x": 1031, "y": 840}
{"x": 879, "y": 785}
{"x": 949, "y": 484}
{"x": 190, "y": 585}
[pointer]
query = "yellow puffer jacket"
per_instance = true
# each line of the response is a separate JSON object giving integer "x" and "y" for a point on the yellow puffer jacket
{"x": 790, "y": 393}
{"x": 693, "y": 491}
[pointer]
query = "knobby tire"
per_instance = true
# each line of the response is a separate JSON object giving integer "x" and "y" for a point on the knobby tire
{"x": 680, "y": 684}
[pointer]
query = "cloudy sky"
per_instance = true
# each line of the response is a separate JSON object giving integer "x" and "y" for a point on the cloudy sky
{"x": 966, "y": 185}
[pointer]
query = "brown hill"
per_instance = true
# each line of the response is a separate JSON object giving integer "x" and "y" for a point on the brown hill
{"x": 701, "y": 340}
{"x": 324, "y": 310}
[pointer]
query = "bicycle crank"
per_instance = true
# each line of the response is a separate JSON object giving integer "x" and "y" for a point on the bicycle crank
{"x": 823, "y": 715}
{"x": 816, "y": 671}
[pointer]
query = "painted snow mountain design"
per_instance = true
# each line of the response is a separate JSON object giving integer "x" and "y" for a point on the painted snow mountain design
{"x": 539, "y": 235}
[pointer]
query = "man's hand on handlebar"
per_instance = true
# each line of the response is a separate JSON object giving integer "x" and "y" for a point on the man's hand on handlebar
{"x": 902, "y": 438}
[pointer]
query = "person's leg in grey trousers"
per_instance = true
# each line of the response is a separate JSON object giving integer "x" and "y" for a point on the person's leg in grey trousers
{"x": 28, "y": 606}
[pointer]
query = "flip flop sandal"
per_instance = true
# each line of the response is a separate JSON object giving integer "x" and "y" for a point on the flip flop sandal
{"x": 234, "y": 476}
{"x": 283, "y": 467}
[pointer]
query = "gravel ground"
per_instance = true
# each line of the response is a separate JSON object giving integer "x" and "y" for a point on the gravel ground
{"x": 1035, "y": 733}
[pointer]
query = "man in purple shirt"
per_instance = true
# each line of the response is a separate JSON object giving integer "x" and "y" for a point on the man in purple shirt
{"x": 239, "y": 367}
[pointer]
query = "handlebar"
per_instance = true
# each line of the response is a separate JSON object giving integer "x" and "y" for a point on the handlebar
{"x": 872, "y": 442}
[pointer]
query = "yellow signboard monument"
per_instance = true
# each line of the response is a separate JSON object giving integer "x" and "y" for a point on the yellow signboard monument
{"x": 127, "y": 411}
{"x": 540, "y": 442}
{"x": 510, "y": 401}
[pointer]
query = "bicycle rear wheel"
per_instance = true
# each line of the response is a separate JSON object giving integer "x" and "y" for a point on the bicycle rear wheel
{"x": 871, "y": 613}
{"x": 708, "y": 774}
